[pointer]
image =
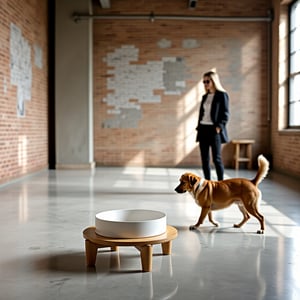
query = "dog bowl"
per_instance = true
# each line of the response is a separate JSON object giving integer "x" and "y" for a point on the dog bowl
{"x": 130, "y": 223}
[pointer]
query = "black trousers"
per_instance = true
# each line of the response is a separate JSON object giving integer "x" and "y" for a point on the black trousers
{"x": 209, "y": 138}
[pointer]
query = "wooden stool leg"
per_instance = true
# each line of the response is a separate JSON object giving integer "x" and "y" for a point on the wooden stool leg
{"x": 166, "y": 248}
{"x": 237, "y": 156}
{"x": 249, "y": 155}
{"x": 146, "y": 257}
{"x": 90, "y": 253}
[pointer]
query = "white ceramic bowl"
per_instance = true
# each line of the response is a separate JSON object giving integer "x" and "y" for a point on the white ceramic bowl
{"x": 130, "y": 223}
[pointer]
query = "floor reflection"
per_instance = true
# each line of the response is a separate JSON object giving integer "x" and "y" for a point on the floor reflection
{"x": 42, "y": 253}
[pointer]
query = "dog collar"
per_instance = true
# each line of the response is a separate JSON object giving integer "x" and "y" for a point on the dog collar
{"x": 200, "y": 184}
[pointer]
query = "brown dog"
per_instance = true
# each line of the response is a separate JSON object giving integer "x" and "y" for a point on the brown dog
{"x": 212, "y": 195}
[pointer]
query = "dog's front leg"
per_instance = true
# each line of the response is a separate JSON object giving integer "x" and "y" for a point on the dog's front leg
{"x": 203, "y": 214}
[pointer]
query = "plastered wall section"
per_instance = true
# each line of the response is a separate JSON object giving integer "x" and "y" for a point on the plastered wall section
{"x": 73, "y": 87}
{"x": 23, "y": 88}
{"x": 148, "y": 87}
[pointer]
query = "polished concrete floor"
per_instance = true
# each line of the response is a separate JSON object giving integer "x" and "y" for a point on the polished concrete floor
{"x": 42, "y": 252}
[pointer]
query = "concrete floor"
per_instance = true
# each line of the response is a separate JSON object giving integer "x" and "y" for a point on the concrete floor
{"x": 42, "y": 248}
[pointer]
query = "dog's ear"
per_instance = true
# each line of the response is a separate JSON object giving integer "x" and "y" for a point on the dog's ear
{"x": 192, "y": 180}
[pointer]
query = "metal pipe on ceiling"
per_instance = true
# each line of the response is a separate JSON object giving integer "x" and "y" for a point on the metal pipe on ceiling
{"x": 152, "y": 17}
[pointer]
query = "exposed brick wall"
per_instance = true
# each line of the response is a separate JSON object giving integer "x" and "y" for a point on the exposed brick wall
{"x": 23, "y": 138}
{"x": 285, "y": 142}
{"x": 165, "y": 133}
{"x": 286, "y": 158}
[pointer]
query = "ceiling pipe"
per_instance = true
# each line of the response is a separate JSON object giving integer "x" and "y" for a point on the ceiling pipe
{"x": 152, "y": 17}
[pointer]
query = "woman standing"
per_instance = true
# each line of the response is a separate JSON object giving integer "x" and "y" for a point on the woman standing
{"x": 211, "y": 129}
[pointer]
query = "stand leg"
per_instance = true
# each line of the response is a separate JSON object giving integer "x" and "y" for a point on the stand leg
{"x": 90, "y": 253}
{"x": 115, "y": 261}
{"x": 166, "y": 247}
{"x": 146, "y": 257}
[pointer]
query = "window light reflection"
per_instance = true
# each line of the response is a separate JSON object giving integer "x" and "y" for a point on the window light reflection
{"x": 23, "y": 205}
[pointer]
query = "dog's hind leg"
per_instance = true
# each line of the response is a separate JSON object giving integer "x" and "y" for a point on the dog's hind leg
{"x": 252, "y": 209}
{"x": 245, "y": 214}
{"x": 260, "y": 218}
{"x": 210, "y": 218}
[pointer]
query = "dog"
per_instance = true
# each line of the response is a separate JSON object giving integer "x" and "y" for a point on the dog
{"x": 213, "y": 195}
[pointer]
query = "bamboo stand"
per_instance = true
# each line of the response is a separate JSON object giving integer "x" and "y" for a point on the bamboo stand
{"x": 144, "y": 245}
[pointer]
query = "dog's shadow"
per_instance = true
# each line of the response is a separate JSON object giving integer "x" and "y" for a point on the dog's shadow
{"x": 210, "y": 236}
{"x": 208, "y": 229}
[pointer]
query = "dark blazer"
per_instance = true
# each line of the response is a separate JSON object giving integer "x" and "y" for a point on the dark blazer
{"x": 219, "y": 114}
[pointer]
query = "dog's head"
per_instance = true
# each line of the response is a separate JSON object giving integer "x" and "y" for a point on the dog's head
{"x": 187, "y": 182}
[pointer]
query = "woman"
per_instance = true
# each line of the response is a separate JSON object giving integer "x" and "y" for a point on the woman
{"x": 211, "y": 129}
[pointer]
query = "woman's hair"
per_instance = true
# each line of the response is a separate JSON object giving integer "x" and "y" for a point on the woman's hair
{"x": 213, "y": 75}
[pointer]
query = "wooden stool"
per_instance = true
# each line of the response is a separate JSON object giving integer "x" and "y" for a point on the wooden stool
{"x": 248, "y": 152}
{"x": 94, "y": 241}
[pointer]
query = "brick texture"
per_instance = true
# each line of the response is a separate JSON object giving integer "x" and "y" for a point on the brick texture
{"x": 285, "y": 143}
{"x": 165, "y": 134}
{"x": 23, "y": 139}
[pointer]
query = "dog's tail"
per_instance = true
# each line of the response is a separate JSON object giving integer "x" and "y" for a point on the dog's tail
{"x": 263, "y": 168}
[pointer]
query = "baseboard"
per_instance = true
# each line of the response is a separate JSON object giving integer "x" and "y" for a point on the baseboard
{"x": 88, "y": 166}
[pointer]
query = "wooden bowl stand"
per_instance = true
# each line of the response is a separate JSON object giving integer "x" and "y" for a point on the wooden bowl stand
{"x": 94, "y": 241}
